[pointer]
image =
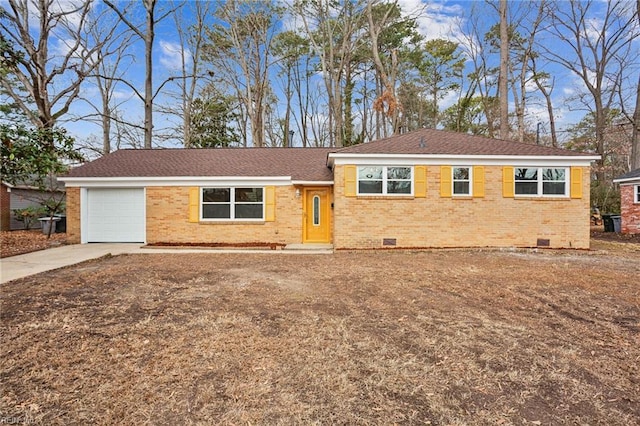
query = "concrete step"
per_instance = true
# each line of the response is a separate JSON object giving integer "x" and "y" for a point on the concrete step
{"x": 310, "y": 247}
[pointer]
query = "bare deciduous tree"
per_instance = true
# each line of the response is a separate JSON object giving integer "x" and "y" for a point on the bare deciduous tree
{"x": 191, "y": 71}
{"x": 334, "y": 31}
{"x": 52, "y": 60}
{"x": 109, "y": 69}
{"x": 388, "y": 101}
{"x": 594, "y": 47}
{"x": 148, "y": 37}
{"x": 483, "y": 75}
{"x": 239, "y": 49}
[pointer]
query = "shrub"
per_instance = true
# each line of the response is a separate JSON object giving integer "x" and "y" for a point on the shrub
{"x": 28, "y": 215}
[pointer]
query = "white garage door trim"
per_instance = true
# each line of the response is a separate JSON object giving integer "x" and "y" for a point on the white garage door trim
{"x": 113, "y": 215}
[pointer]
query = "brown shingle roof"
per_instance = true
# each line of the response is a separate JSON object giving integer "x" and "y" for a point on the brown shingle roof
{"x": 633, "y": 174}
{"x": 302, "y": 164}
{"x": 305, "y": 164}
{"x": 441, "y": 142}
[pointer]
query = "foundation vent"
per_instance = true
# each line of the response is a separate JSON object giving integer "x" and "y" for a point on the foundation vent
{"x": 542, "y": 242}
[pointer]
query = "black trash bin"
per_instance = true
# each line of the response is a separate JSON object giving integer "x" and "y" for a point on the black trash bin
{"x": 608, "y": 222}
{"x": 617, "y": 223}
{"x": 61, "y": 226}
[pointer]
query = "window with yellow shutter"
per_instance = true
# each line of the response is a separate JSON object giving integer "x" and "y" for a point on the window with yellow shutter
{"x": 385, "y": 180}
{"x": 541, "y": 181}
{"x": 461, "y": 178}
{"x": 232, "y": 203}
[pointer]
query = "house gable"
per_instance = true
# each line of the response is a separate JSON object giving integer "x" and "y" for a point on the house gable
{"x": 471, "y": 193}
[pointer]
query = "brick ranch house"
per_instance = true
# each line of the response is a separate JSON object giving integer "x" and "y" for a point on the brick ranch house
{"x": 427, "y": 188}
{"x": 630, "y": 201}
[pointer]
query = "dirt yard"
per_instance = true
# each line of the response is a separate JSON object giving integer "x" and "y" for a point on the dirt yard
{"x": 440, "y": 338}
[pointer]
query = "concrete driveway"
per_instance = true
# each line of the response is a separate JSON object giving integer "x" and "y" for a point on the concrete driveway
{"x": 23, "y": 265}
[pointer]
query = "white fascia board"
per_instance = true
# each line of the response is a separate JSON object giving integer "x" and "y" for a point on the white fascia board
{"x": 627, "y": 181}
{"x": 143, "y": 182}
{"x": 461, "y": 160}
{"x": 313, "y": 182}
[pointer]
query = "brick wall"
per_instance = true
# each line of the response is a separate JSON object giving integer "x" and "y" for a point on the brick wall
{"x": 629, "y": 210}
{"x": 73, "y": 215}
{"x": 168, "y": 221}
{"x": 5, "y": 208}
{"x": 492, "y": 221}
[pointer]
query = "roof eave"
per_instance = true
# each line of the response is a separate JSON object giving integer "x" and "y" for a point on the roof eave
{"x": 627, "y": 180}
{"x": 145, "y": 181}
{"x": 312, "y": 182}
{"x": 577, "y": 159}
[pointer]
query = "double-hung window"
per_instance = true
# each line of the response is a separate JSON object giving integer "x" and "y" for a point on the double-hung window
{"x": 461, "y": 180}
{"x": 541, "y": 181}
{"x": 385, "y": 180}
{"x": 233, "y": 203}
{"x": 636, "y": 198}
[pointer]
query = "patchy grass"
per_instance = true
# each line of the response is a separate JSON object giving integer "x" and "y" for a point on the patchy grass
{"x": 441, "y": 337}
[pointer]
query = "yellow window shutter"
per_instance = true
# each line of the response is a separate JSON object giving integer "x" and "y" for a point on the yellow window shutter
{"x": 576, "y": 182}
{"x": 420, "y": 181}
{"x": 445, "y": 181}
{"x": 507, "y": 182}
{"x": 350, "y": 181}
{"x": 478, "y": 181}
{"x": 194, "y": 204}
{"x": 270, "y": 203}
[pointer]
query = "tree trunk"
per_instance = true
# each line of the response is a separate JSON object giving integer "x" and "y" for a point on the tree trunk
{"x": 547, "y": 96}
{"x": 635, "y": 138}
{"x": 106, "y": 126}
{"x": 600, "y": 125}
{"x": 287, "y": 115}
{"x": 504, "y": 64}
{"x": 148, "y": 82}
{"x": 337, "y": 108}
{"x": 348, "y": 112}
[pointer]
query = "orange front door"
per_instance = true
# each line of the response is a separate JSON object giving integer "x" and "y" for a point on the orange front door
{"x": 317, "y": 216}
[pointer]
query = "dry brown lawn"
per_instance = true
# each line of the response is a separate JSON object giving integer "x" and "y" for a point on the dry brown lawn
{"x": 439, "y": 337}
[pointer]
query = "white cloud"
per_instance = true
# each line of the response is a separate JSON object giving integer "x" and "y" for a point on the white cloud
{"x": 537, "y": 113}
{"x": 67, "y": 7}
{"x": 450, "y": 98}
{"x": 593, "y": 28}
{"x": 70, "y": 12}
{"x": 434, "y": 19}
{"x": 122, "y": 95}
{"x": 171, "y": 55}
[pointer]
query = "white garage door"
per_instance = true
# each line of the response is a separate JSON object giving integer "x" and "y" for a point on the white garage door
{"x": 115, "y": 215}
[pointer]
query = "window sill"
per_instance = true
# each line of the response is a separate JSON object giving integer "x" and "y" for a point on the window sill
{"x": 539, "y": 198}
{"x": 462, "y": 197}
{"x": 232, "y": 222}
{"x": 385, "y": 197}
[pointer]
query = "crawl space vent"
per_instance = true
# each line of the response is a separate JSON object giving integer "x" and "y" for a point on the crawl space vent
{"x": 542, "y": 242}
